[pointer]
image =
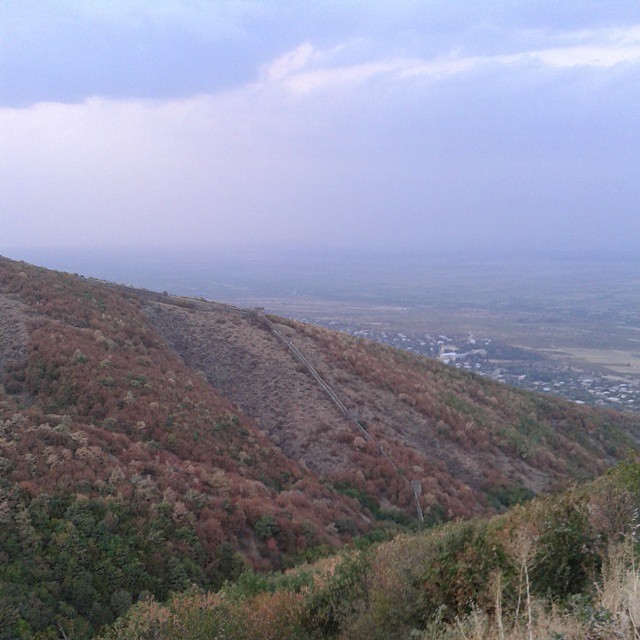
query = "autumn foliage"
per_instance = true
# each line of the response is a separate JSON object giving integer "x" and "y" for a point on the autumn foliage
{"x": 107, "y": 438}
{"x": 125, "y": 476}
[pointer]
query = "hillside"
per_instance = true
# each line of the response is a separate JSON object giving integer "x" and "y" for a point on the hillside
{"x": 561, "y": 567}
{"x": 472, "y": 443}
{"x": 148, "y": 443}
{"x": 122, "y": 470}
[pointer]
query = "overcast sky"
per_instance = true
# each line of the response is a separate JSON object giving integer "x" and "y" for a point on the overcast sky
{"x": 417, "y": 125}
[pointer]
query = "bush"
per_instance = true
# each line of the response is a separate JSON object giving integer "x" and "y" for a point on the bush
{"x": 456, "y": 578}
{"x": 569, "y": 552}
{"x": 266, "y": 527}
{"x": 331, "y": 603}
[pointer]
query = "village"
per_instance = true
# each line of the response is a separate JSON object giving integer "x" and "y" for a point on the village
{"x": 515, "y": 366}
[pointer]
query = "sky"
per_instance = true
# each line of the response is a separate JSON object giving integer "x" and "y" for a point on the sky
{"x": 419, "y": 126}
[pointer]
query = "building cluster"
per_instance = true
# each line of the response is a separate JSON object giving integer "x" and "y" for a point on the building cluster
{"x": 510, "y": 365}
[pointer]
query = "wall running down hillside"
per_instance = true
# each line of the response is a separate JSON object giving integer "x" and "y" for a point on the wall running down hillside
{"x": 416, "y": 485}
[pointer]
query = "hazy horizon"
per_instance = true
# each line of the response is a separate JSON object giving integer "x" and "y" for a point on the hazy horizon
{"x": 482, "y": 281}
{"x": 433, "y": 127}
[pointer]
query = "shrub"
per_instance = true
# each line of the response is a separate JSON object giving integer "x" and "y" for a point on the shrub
{"x": 568, "y": 550}
{"x": 266, "y": 527}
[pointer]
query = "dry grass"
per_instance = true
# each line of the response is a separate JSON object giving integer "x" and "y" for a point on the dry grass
{"x": 13, "y": 331}
{"x": 613, "y": 615}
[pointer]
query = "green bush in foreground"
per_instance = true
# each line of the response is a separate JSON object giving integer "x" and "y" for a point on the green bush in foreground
{"x": 556, "y": 568}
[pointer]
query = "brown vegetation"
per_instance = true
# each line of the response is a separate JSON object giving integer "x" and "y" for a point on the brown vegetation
{"x": 112, "y": 407}
{"x": 475, "y": 445}
{"x": 149, "y": 443}
{"x": 563, "y": 567}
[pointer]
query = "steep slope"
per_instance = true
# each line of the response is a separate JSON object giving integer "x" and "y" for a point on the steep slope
{"x": 122, "y": 470}
{"x": 562, "y": 566}
{"x": 149, "y": 442}
{"x": 473, "y": 444}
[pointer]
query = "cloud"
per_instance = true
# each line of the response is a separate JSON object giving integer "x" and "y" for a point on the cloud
{"x": 289, "y": 63}
{"x": 344, "y": 145}
{"x": 306, "y": 69}
{"x": 70, "y": 50}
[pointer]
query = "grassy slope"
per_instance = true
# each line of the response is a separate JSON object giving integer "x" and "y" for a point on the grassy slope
{"x": 562, "y": 567}
{"x": 474, "y": 444}
{"x": 123, "y": 472}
